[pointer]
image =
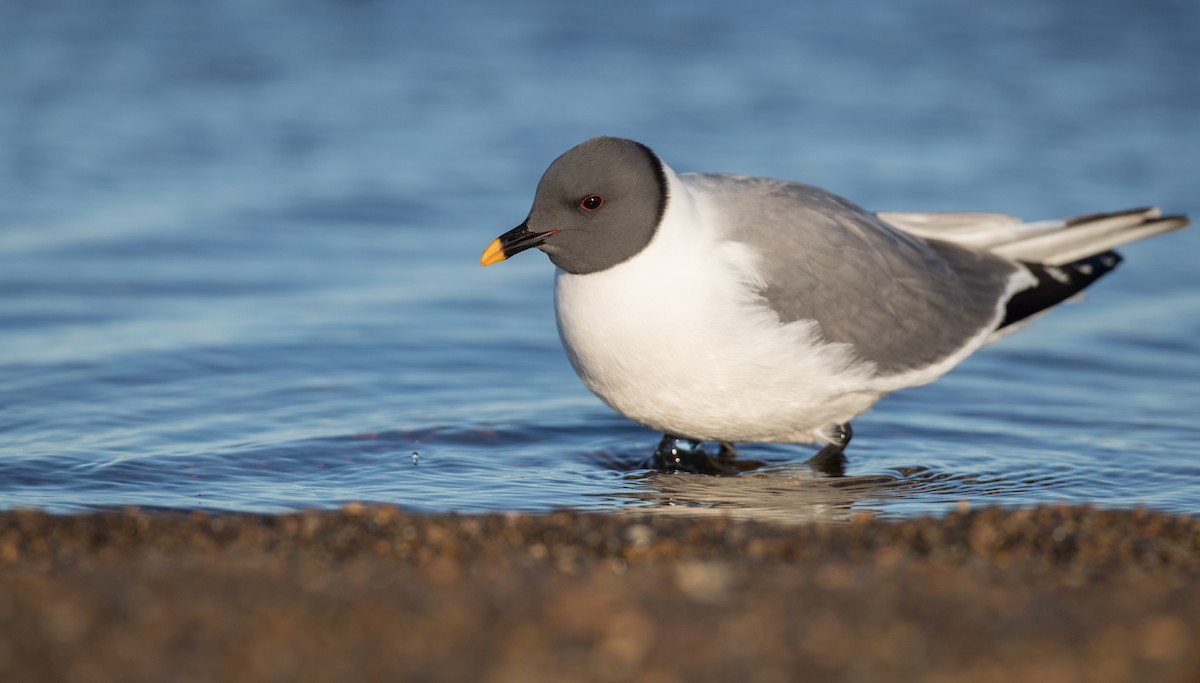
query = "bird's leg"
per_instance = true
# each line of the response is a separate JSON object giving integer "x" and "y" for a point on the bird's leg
{"x": 831, "y": 459}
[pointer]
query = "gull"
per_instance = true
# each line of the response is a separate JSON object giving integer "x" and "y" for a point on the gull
{"x": 730, "y": 308}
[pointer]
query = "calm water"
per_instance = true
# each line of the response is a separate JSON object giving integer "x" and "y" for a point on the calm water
{"x": 239, "y": 244}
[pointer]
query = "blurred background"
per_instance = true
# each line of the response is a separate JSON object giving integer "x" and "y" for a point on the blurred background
{"x": 239, "y": 240}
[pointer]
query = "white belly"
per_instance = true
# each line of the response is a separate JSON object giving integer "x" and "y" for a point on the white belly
{"x": 692, "y": 351}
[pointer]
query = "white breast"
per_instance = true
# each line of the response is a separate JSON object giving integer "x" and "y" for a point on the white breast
{"x": 677, "y": 338}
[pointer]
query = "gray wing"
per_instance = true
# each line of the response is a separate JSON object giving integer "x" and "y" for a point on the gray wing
{"x": 903, "y": 302}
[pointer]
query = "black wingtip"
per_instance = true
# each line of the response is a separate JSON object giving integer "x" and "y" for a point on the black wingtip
{"x": 1057, "y": 283}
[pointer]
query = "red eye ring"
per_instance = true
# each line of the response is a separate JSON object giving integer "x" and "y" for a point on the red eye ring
{"x": 591, "y": 203}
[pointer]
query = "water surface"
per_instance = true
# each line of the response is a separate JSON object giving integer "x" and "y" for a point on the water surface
{"x": 239, "y": 243}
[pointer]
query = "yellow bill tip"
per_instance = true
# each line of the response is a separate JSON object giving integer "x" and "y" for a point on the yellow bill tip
{"x": 493, "y": 254}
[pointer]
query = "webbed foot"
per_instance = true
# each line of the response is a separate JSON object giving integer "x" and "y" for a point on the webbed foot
{"x": 681, "y": 454}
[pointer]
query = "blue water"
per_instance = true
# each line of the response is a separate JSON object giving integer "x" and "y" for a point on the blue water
{"x": 239, "y": 244}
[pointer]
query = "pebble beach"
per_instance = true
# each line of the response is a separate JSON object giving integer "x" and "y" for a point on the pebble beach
{"x": 371, "y": 593}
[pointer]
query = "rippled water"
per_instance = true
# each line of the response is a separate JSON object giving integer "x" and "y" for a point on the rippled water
{"x": 239, "y": 245}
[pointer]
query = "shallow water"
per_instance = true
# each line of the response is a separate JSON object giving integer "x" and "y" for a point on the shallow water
{"x": 239, "y": 245}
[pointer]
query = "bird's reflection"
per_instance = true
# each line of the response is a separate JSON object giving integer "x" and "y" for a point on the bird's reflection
{"x": 781, "y": 493}
{"x": 676, "y": 479}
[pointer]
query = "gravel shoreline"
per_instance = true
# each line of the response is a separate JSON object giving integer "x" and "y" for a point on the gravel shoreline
{"x": 371, "y": 593}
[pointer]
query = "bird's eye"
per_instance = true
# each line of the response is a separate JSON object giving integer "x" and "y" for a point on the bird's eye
{"x": 591, "y": 202}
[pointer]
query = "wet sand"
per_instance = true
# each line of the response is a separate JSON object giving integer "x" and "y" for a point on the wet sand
{"x": 374, "y": 594}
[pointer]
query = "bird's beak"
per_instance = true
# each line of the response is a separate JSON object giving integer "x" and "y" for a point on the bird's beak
{"x": 513, "y": 242}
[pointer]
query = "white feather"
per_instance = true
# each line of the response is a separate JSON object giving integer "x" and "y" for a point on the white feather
{"x": 1052, "y": 242}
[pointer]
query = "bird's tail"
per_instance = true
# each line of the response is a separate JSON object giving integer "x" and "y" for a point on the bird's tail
{"x": 1063, "y": 242}
{"x": 1067, "y": 257}
{"x": 1053, "y": 242}
{"x": 1064, "y": 256}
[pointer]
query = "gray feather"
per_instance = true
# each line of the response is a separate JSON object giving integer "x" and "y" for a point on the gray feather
{"x": 902, "y": 302}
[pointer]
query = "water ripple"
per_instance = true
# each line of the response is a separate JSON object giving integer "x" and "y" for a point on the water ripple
{"x": 238, "y": 248}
